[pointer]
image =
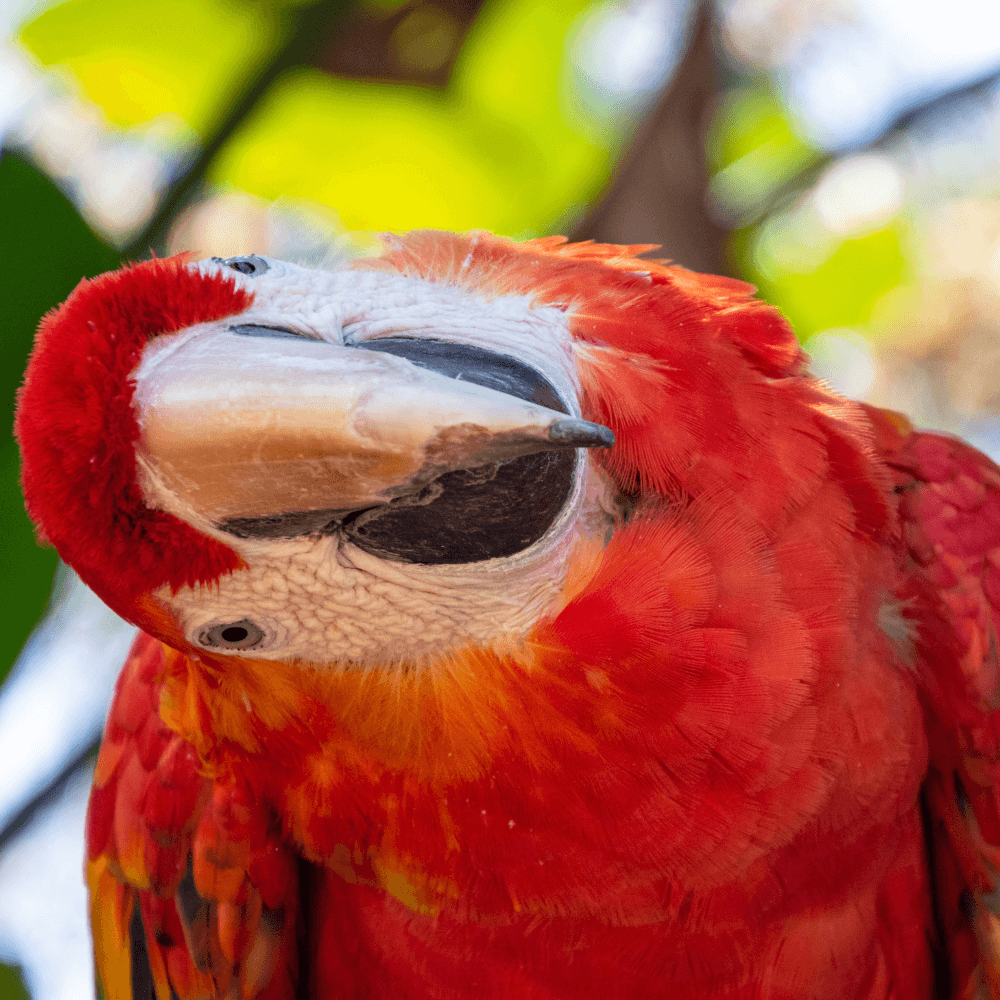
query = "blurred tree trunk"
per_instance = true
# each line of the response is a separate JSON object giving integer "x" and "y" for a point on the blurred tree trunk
{"x": 658, "y": 193}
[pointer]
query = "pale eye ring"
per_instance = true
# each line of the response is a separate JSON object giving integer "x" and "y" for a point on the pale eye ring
{"x": 250, "y": 264}
{"x": 243, "y": 634}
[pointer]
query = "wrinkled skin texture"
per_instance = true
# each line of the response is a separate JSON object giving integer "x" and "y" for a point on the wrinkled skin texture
{"x": 750, "y": 750}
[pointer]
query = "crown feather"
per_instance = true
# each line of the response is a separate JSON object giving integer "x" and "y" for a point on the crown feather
{"x": 77, "y": 430}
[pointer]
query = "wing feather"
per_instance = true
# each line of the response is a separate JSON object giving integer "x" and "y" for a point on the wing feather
{"x": 949, "y": 502}
{"x": 193, "y": 896}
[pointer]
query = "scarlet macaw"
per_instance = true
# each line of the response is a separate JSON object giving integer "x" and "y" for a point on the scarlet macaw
{"x": 519, "y": 621}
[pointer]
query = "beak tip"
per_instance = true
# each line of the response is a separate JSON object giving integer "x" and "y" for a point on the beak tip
{"x": 578, "y": 433}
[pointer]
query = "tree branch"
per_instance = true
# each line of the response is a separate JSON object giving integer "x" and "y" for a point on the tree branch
{"x": 658, "y": 193}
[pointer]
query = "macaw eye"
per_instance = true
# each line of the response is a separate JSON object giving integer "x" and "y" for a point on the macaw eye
{"x": 251, "y": 264}
{"x": 243, "y": 634}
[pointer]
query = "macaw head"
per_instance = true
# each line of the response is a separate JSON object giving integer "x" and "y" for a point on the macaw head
{"x": 387, "y": 460}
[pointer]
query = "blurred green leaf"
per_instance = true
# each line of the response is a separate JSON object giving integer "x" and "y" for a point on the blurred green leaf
{"x": 383, "y": 156}
{"x": 53, "y": 249}
{"x": 819, "y": 279}
{"x": 515, "y": 68}
{"x": 25, "y": 593}
{"x": 503, "y": 147}
{"x": 11, "y": 984}
{"x": 138, "y": 59}
{"x": 746, "y": 119}
{"x": 753, "y": 149}
{"x": 497, "y": 149}
{"x": 840, "y": 290}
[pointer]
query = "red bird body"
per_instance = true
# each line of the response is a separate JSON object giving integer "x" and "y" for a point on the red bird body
{"x": 747, "y": 750}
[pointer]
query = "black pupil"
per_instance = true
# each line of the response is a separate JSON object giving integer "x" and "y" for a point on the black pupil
{"x": 243, "y": 266}
{"x": 235, "y": 633}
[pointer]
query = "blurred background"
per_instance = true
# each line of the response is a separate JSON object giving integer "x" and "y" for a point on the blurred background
{"x": 842, "y": 155}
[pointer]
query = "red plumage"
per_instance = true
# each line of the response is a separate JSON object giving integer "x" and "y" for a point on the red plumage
{"x": 751, "y": 751}
{"x": 78, "y": 446}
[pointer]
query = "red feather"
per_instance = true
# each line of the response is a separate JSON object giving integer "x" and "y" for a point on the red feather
{"x": 699, "y": 775}
{"x": 77, "y": 430}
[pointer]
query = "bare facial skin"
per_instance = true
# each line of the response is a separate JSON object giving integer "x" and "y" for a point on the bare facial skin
{"x": 304, "y": 421}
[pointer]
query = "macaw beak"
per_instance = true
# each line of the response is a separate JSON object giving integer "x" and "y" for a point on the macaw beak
{"x": 243, "y": 427}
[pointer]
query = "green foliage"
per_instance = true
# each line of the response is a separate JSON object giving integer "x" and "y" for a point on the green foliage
{"x": 749, "y": 118}
{"x": 48, "y": 249}
{"x": 138, "y": 59}
{"x": 817, "y": 278}
{"x": 506, "y": 146}
{"x": 384, "y": 157}
{"x": 840, "y": 289}
{"x": 753, "y": 149}
{"x": 515, "y": 71}
{"x": 11, "y": 984}
{"x": 498, "y": 149}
